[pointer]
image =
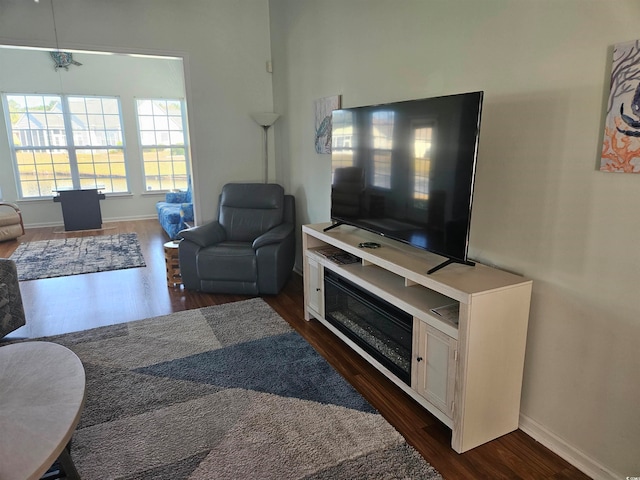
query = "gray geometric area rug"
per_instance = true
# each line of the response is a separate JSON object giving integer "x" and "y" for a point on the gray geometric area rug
{"x": 225, "y": 392}
{"x": 73, "y": 256}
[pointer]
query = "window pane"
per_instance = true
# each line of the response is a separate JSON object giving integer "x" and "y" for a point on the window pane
{"x": 162, "y": 137}
{"x": 76, "y": 105}
{"x": 176, "y": 138}
{"x": 81, "y": 137}
{"x": 174, "y": 107}
{"x": 159, "y": 107}
{"x": 181, "y": 183}
{"x": 48, "y": 187}
{"x": 112, "y": 122}
{"x": 148, "y": 138}
{"x": 111, "y": 107}
{"x": 149, "y": 154}
{"x": 179, "y": 169}
{"x": 96, "y": 122}
{"x": 151, "y": 168}
{"x": 116, "y": 156}
{"x": 161, "y": 123}
{"x": 145, "y": 122}
{"x": 30, "y": 189}
{"x": 144, "y": 107}
{"x": 25, "y": 157}
{"x": 62, "y": 173}
{"x": 175, "y": 123}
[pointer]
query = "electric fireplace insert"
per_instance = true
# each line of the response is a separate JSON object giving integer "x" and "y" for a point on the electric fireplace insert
{"x": 378, "y": 327}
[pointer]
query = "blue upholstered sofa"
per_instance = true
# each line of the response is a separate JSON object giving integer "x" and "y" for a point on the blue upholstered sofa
{"x": 175, "y": 211}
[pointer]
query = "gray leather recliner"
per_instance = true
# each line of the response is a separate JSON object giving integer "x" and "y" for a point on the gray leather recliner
{"x": 249, "y": 250}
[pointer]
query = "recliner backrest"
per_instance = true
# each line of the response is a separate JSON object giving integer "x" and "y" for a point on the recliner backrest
{"x": 247, "y": 210}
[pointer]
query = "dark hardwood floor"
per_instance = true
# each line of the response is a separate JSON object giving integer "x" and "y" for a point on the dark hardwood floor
{"x": 65, "y": 304}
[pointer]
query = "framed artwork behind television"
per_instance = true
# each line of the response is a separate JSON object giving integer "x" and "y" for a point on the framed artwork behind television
{"x": 323, "y": 109}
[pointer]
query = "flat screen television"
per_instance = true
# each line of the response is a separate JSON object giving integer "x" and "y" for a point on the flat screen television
{"x": 406, "y": 170}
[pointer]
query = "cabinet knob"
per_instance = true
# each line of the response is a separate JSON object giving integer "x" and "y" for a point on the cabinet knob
{"x": 318, "y": 289}
{"x": 419, "y": 359}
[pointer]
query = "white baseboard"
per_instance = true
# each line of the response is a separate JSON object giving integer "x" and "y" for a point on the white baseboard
{"x": 130, "y": 218}
{"x": 104, "y": 221}
{"x": 571, "y": 454}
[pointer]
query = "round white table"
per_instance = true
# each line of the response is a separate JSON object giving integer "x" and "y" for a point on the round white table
{"x": 42, "y": 392}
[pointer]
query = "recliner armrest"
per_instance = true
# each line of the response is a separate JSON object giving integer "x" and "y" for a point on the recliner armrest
{"x": 204, "y": 235}
{"x": 275, "y": 235}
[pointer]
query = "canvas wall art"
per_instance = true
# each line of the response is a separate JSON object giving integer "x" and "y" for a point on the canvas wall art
{"x": 621, "y": 143}
{"x": 323, "y": 108}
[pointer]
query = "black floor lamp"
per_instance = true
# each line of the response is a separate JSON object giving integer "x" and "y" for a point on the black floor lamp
{"x": 265, "y": 120}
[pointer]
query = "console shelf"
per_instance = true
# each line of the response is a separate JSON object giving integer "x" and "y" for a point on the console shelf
{"x": 467, "y": 371}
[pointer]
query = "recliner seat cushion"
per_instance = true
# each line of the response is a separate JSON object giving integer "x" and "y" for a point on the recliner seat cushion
{"x": 228, "y": 261}
{"x": 170, "y": 212}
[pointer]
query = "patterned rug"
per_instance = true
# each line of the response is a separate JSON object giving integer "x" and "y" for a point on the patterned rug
{"x": 225, "y": 392}
{"x": 73, "y": 256}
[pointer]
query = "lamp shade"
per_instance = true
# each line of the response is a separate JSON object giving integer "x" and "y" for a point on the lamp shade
{"x": 265, "y": 119}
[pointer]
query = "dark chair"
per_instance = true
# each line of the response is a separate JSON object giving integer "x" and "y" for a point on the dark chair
{"x": 249, "y": 250}
{"x": 11, "y": 309}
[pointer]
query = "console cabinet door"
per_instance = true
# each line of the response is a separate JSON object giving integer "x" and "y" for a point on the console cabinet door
{"x": 434, "y": 363}
{"x": 314, "y": 295}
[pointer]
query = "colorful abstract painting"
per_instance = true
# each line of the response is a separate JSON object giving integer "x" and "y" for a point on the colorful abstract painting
{"x": 621, "y": 143}
{"x": 323, "y": 109}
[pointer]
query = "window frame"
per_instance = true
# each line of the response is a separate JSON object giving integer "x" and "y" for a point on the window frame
{"x": 185, "y": 146}
{"x": 54, "y": 145}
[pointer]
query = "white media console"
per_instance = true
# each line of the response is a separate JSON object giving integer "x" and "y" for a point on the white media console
{"x": 466, "y": 363}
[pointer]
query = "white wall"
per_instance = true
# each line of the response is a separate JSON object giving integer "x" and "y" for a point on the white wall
{"x": 541, "y": 207}
{"x": 125, "y": 76}
{"x": 224, "y": 44}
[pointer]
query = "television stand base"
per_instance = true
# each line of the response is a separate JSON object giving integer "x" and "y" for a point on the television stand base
{"x": 332, "y": 226}
{"x": 449, "y": 262}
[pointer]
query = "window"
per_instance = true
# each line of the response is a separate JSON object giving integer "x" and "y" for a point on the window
{"x": 66, "y": 142}
{"x": 162, "y": 126}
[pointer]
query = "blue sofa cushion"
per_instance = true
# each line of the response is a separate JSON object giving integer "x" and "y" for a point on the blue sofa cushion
{"x": 172, "y": 216}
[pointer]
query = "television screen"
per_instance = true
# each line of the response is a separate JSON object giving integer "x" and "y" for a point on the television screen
{"x": 405, "y": 170}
